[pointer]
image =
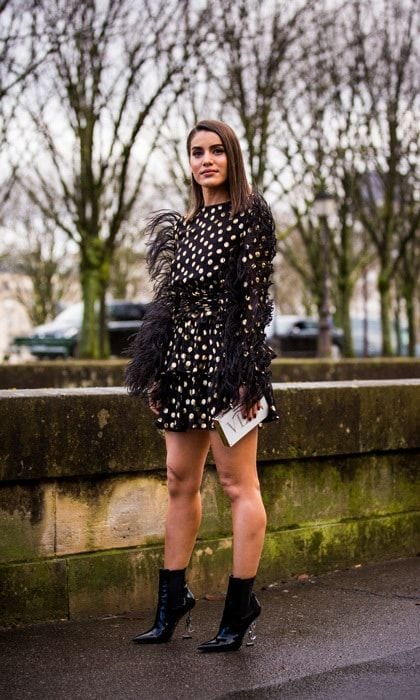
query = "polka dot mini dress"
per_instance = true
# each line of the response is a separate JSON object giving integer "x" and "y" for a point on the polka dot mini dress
{"x": 203, "y": 337}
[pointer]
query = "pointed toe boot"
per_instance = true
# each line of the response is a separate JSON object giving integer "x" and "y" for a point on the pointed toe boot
{"x": 239, "y": 615}
{"x": 174, "y": 601}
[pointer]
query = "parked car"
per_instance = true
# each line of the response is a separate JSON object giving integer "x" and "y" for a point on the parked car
{"x": 60, "y": 337}
{"x": 297, "y": 336}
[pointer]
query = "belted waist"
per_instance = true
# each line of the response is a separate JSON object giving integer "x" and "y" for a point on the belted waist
{"x": 200, "y": 304}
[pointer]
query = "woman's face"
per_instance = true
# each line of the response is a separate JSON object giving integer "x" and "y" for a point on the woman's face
{"x": 208, "y": 160}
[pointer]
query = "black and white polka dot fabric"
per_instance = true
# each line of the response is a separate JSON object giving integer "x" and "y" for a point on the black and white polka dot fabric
{"x": 196, "y": 345}
{"x": 208, "y": 320}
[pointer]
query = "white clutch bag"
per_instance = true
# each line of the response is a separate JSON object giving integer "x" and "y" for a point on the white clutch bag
{"x": 231, "y": 426}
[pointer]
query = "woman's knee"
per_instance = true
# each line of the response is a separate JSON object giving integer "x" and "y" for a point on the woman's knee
{"x": 237, "y": 488}
{"x": 181, "y": 482}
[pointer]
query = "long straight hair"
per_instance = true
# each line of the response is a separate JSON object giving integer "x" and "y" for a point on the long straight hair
{"x": 238, "y": 186}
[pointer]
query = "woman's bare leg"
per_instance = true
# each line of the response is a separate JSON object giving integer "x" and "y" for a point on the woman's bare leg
{"x": 237, "y": 470}
{"x": 186, "y": 456}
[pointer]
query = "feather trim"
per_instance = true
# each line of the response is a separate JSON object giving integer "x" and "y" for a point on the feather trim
{"x": 147, "y": 349}
{"x": 247, "y": 357}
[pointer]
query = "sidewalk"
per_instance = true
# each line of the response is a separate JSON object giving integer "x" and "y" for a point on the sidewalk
{"x": 348, "y": 634}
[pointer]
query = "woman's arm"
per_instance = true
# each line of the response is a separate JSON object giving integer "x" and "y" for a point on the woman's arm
{"x": 147, "y": 350}
{"x": 254, "y": 272}
{"x": 245, "y": 367}
{"x": 255, "y": 269}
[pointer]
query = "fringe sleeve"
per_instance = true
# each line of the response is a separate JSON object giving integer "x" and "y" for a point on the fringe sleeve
{"x": 147, "y": 349}
{"x": 248, "y": 357}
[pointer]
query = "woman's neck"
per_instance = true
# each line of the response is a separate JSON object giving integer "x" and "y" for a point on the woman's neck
{"x": 215, "y": 195}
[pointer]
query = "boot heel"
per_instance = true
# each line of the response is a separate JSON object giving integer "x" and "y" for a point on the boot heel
{"x": 252, "y": 635}
{"x": 188, "y": 627}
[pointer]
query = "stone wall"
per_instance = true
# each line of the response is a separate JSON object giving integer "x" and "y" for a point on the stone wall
{"x": 85, "y": 373}
{"x": 83, "y": 496}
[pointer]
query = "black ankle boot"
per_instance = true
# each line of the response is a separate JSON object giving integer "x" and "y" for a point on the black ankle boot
{"x": 174, "y": 601}
{"x": 241, "y": 610}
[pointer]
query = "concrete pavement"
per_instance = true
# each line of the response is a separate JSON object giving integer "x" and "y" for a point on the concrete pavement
{"x": 346, "y": 634}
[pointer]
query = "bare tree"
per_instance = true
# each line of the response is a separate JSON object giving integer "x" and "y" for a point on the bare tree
{"x": 128, "y": 274}
{"x": 38, "y": 254}
{"x": 353, "y": 130}
{"x": 388, "y": 129}
{"x": 408, "y": 286}
{"x": 250, "y": 54}
{"x": 115, "y": 71}
{"x": 49, "y": 278}
{"x": 173, "y": 177}
{"x": 319, "y": 156}
{"x": 22, "y": 51}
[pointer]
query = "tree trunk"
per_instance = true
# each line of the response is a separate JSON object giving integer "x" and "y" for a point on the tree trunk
{"x": 344, "y": 257}
{"x": 397, "y": 326}
{"x": 92, "y": 344}
{"x": 365, "y": 314}
{"x": 384, "y": 288}
{"x": 344, "y": 299}
{"x": 408, "y": 292}
{"x": 104, "y": 342}
{"x": 348, "y": 349}
{"x": 89, "y": 336}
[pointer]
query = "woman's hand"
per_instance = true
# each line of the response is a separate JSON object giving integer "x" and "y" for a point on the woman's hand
{"x": 155, "y": 407}
{"x": 252, "y": 413}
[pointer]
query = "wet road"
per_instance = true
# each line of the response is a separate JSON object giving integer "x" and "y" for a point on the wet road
{"x": 347, "y": 634}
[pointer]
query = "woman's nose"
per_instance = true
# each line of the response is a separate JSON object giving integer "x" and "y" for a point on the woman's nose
{"x": 207, "y": 158}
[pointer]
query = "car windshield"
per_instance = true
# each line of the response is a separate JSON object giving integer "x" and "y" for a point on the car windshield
{"x": 283, "y": 324}
{"x": 116, "y": 311}
{"x": 308, "y": 325}
{"x": 72, "y": 316}
{"x": 125, "y": 311}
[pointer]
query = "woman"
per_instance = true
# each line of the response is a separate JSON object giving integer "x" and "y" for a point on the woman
{"x": 201, "y": 350}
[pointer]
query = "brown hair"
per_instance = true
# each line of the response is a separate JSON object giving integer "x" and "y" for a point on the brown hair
{"x": 238, "y": 185}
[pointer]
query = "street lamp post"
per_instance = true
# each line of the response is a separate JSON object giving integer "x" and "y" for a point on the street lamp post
{"x": 324, "y": 206}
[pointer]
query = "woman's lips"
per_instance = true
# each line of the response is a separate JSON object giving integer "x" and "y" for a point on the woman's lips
{"x": 209, "y": 172}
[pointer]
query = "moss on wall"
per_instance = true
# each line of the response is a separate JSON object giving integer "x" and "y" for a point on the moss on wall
{"x": 325, "y": 547}
{"x": 121, "y": 581}
{"x": 33, "y": 592}
{"x": 27, "y": 521}
{"x": 45, "y": 519}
